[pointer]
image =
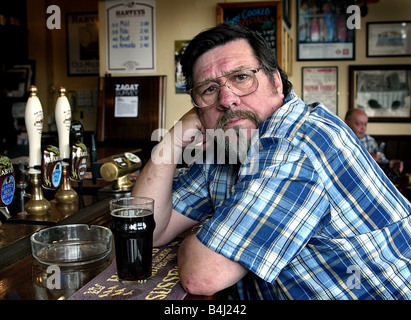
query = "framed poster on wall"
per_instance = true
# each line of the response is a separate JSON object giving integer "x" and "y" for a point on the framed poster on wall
{"x": 264, "y": 17}
{"x": 389, "y": 39}
{"x": 82, "y": 44}
{"x": 320, "y": 84}
{"x": 382, "y": 91}
{"x": 130, "y": 36}
{"x": 322, "y": 31}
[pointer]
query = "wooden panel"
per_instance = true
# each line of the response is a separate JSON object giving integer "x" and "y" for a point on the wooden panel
{"x": 140, "y": 128}
{"x": 120, "y": 130}
{"x": 397, "y": 147}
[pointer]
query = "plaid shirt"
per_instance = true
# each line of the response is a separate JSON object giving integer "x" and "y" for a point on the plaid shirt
{"x": 371, "y": 145}
{"x": 318, "y": 219}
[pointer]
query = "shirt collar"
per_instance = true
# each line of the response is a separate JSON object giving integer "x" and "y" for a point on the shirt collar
{"x": 291, "y": 96}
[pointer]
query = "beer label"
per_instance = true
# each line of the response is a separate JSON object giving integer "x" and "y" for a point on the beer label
{"x": 56, "y": 174}
{"x": 78, "y": 161}
{"x": 6, "y": 181}
{"x": 120, "y": 162}
{"x": 7, "y": 190}
{"x": 132, "y": 157}
{"x": 51, "y": 167}
{"x": 82, "y": 168}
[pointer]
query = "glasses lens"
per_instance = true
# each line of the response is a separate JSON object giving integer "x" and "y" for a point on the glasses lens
{"x": 243, "y": 82}
{"x": 205, "y": 94}
{"x": 240, "y": 83}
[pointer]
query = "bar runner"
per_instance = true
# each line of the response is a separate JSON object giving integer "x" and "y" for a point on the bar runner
{"x": 163, "y": 285}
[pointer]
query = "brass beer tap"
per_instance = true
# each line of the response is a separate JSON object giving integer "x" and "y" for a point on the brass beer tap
{"x": 37, "y": 205}
{"x": 63, "y": 121}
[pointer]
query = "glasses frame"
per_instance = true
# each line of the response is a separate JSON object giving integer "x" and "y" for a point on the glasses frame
{"x": 228, "y": 87}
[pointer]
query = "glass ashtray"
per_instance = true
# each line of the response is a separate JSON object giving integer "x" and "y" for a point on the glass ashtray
{"x": 71, "y": 245}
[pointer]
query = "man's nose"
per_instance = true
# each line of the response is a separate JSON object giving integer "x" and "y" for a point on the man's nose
{"x": 228, "y": 99}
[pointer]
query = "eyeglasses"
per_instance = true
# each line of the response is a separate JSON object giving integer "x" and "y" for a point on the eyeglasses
{"x": 241, "y": 83}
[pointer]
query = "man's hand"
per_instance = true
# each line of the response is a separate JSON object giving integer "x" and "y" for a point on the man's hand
{"x": 187, "y": 130}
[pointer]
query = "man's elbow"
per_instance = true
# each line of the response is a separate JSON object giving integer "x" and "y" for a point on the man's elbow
{"x": 198, "y": 285}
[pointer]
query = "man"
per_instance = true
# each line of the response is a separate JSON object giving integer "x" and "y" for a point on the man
{"x": 357, "y": 120}
{"x": 306, "y": 215}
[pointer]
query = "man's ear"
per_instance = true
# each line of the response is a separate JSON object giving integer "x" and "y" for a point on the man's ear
{"x": 278, "y": 82}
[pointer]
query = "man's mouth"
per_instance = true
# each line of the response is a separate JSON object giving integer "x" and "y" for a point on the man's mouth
{"x": 232, "y": 122}
{"x": 234, "y": 118}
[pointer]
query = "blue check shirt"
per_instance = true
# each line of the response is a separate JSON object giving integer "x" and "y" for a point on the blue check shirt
{"x": 371, "y": 145}
{"x": 309, "y": 214}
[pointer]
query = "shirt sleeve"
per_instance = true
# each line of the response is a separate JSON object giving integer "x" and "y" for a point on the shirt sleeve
{"x": 271, "y": 215}
{"x": 190, "y": 193}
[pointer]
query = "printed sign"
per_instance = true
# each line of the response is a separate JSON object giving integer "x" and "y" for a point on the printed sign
{"x": 320, "y": 85}
{"x": 126, "y": 100}
{"x": 130, "y": 36}
{"x": 164, "y": 283}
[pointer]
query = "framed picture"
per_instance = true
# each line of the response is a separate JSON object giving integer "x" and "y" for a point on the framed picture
{"x": 287, "y": 12}
{"x": 320, "y": 84}
{"x": 287, "y": 55}
{"x": 20, "y": 77}
{"x": 82, "y": 44}
{"x": 389, "y": 39}
{"x": 382, "y": 91}
{"x": 264, "y": 17}
{"x": 130, "y": 36}
{"x": 179, "y": 79}
{"x": 322, "y": 31}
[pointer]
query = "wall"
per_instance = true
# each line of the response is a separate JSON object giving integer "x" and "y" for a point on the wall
{"x": 48, "y": 48}
{"x": 181, "y": 20}
{"x": 176, "y": 20}
{"x": 384, "y": 10}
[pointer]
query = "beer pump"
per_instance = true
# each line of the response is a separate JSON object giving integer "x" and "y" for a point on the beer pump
{"x": 118, "y": 170}
{"x": 51, "y": 168}
{"x": 37, "y": 205}
{"x": 63, "y": 121}
{"x": 7, "y": 185}
{"x": 78, "y": 154}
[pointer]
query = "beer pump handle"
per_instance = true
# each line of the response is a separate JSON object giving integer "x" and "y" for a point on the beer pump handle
{"x": 63, "y": 122}
{"x": 95, "y": 167}
{"x": 34, "y": 126}
{"x": 93, "y": 150}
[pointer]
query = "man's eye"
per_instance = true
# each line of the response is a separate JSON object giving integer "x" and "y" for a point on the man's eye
{"x": 209, "y": 90}
{"x": 241, "y": 77}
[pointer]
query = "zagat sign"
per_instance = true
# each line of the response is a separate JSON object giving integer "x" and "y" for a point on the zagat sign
{"x": 129, "y": 89}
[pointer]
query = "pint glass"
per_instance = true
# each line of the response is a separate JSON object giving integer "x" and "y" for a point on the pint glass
{"x": 132, "y": 225}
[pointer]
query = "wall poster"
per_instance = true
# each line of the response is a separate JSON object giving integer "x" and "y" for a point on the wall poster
{"x": 382, "y": 91}
{"x": 130, "y": 36}
{"x": 322, "y": 31}
{"x": 126, "y": 100}
{"x": 179, "y": 48}
{"x": 82, "y": 44}
{"x": 263, "y": 17}
{"x": 320, "y": 85}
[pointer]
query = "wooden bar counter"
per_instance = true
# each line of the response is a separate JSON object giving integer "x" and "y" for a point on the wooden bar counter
{"x": 23, "y": 278}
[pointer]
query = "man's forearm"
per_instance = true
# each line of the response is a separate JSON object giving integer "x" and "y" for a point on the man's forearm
{"x": 155, "y": 181}
{"x": 156, "y": 178}
{"x": 203, "y": 271}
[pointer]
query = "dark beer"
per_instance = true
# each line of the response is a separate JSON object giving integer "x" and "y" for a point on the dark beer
{"x": 133, "y": 239}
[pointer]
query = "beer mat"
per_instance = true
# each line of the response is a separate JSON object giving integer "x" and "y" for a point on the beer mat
{"x": 164, "y": 283}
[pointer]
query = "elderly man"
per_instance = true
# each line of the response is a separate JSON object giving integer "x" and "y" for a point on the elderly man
{"x": 306, "y": 214}
{"x": 357, "y": 120}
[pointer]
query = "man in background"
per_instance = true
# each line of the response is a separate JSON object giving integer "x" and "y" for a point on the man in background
{"x": 357, "y": 120}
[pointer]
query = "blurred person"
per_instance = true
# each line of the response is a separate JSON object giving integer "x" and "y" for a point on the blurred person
{"x": 357, "y": 120}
